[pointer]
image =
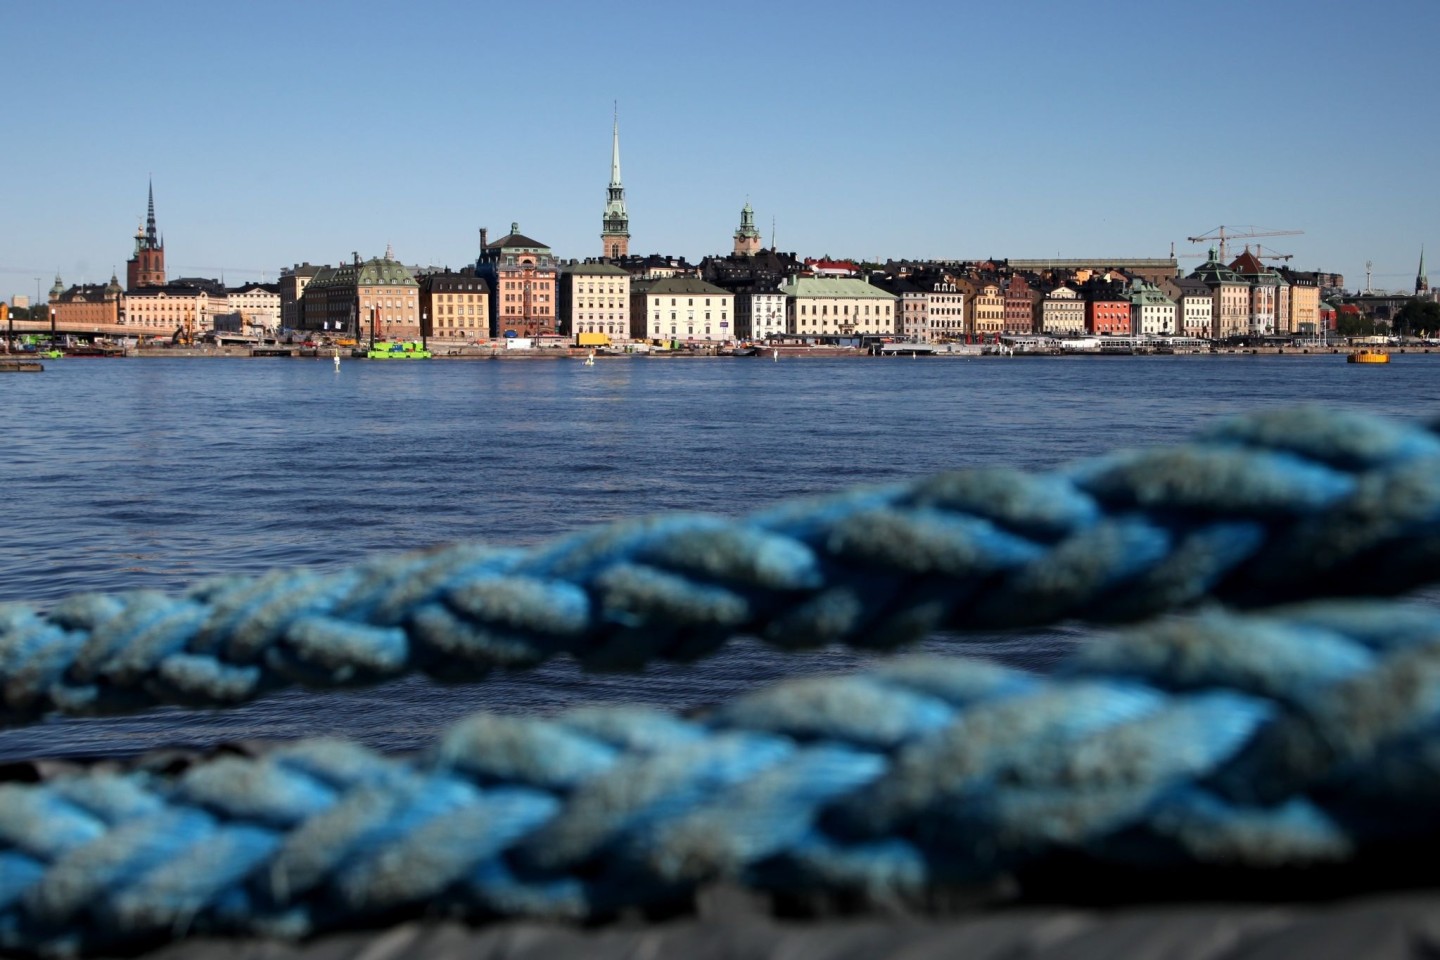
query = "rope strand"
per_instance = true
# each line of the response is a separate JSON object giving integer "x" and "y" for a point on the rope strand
{"x": 1299, "y": 738}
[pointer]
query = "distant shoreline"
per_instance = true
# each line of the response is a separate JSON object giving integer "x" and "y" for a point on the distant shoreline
{"x": 790, "y": 353}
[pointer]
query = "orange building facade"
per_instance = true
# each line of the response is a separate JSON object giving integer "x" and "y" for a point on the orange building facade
{"x": 86, "y": 304}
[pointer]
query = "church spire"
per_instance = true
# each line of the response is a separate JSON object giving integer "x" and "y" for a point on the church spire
{"x": 615, "y": 149}
{"x": 1422, "y": 279}
{"x": 151, "y": 239}
{"x": 615, "y": 225}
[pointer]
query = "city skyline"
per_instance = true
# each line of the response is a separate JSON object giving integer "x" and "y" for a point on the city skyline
{"x": 952, "y": 133}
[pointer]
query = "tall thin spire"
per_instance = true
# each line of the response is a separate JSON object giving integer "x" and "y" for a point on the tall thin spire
{"x": 1422, "y": 279}
{"x": 615, "y": 149}
{"x": 615, "y": 223}
{"x": 150, "y": 234}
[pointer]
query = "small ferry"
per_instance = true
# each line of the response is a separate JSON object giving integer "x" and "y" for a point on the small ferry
{"x": 1368, "y": 355}
{"x": 390, "y": 350}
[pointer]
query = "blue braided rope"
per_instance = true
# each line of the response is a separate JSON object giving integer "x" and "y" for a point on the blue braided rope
{"x": 1259, "y": 510}
{"x": 1303, "y": 737}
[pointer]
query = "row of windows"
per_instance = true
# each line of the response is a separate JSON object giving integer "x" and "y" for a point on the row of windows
{"x": 844, "y": 310}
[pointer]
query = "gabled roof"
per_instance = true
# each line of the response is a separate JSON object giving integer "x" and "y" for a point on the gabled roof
{"x": 1248, "y": 264}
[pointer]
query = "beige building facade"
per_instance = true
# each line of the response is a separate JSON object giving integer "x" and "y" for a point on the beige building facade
{"x": 174, "y": 307}
{"x": 1062, "y": 313}
{"x": 455, "y": 306}
{"x": 987, "y": 311}
{"x": 595, "y": 300}
{"x": 839, "y": 307}
{"x": 1304, "y": 308}
{"x": 681, "y": 311}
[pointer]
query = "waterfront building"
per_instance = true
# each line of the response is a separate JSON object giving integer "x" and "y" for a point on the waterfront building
{"x": 986, "y": 317}
{"x": 258, "y": 305}
{"x": 1107, "y": 313}
{"x": 594, "y": 302}
{"x": 86, "y": 304}
{"x": 1151, "y": 312}
{"x": 615, "y": 222}
{"x": 747, "y": 238}
{"x": 1264, "y": 317}
{"x": 1194, "y": 306}
{"x": 1019, "y": 306}
{"x": 522, "y": 275}
{"x": 838, "y": 307}
{"x": 755, "y": 279}
{"x": 454, "y": 306}
{"x": 1230, "y": 296}
{"x": 944, "y": 310}
{"x": 377, "y": 299}
{"x": 913, "y": 322}
{"x": 1062, "y": 313}
{"x": 760, "y": 314}
{"x": 292, "y": 289}
{"x": 1304, "y": 296}
{"x": 146, "y": 268}
{"x": 186, "y": 308}
{"x": 681, "y": 310}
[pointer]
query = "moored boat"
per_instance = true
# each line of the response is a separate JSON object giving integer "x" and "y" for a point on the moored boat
{"x": 1368, "y": 355}
{"x": 391, "y": 350}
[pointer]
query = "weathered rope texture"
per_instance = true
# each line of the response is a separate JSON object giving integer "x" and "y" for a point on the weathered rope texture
{"x": 1301, "y": 738}
{"x": 1259, "y": 510}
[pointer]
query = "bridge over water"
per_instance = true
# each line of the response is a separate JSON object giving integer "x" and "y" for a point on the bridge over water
{"x": 85, "y": 330}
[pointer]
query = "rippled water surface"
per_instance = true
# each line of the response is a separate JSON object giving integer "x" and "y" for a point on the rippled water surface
{"x": 121, "y": 474}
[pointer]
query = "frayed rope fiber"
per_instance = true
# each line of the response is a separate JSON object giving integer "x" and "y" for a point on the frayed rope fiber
{"x": 1259, "y": 510}
{"x": 1303, "y": 737}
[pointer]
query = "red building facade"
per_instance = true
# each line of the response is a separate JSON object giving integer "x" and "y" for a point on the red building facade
{"x": 1106, "y": 316}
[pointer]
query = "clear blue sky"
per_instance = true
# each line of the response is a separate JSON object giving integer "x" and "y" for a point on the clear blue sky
{"x": 278, "y": 132}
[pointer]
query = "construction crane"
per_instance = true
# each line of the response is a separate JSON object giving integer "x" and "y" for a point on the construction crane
{"x": 1264, "y": 253}
{"x": 1226, "y": 234}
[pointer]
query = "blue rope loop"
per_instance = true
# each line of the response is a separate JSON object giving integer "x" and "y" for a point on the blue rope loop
{"x": 1261, "y": 509}
{"x": 1267, "y": 743}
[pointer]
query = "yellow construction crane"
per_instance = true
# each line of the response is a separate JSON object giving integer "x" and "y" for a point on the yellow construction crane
{"x": 1225, "y": 234}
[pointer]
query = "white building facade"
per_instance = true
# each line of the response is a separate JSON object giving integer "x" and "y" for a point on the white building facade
{"x": 1151, "y": 312}
{"x": 258, "y": 304}
{"x": 681, "y": 310}
{"x": 760, "y": 315}
{"x": 1062, "y": 313}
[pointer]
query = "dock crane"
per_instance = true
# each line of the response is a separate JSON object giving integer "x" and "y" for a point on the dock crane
{"x": 1225, "y": 234}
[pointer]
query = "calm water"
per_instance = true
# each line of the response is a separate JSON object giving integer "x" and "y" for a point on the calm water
{"x": 156, "y": 473}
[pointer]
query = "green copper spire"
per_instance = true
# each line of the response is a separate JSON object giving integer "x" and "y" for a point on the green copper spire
{"x": 615, "y": 223}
